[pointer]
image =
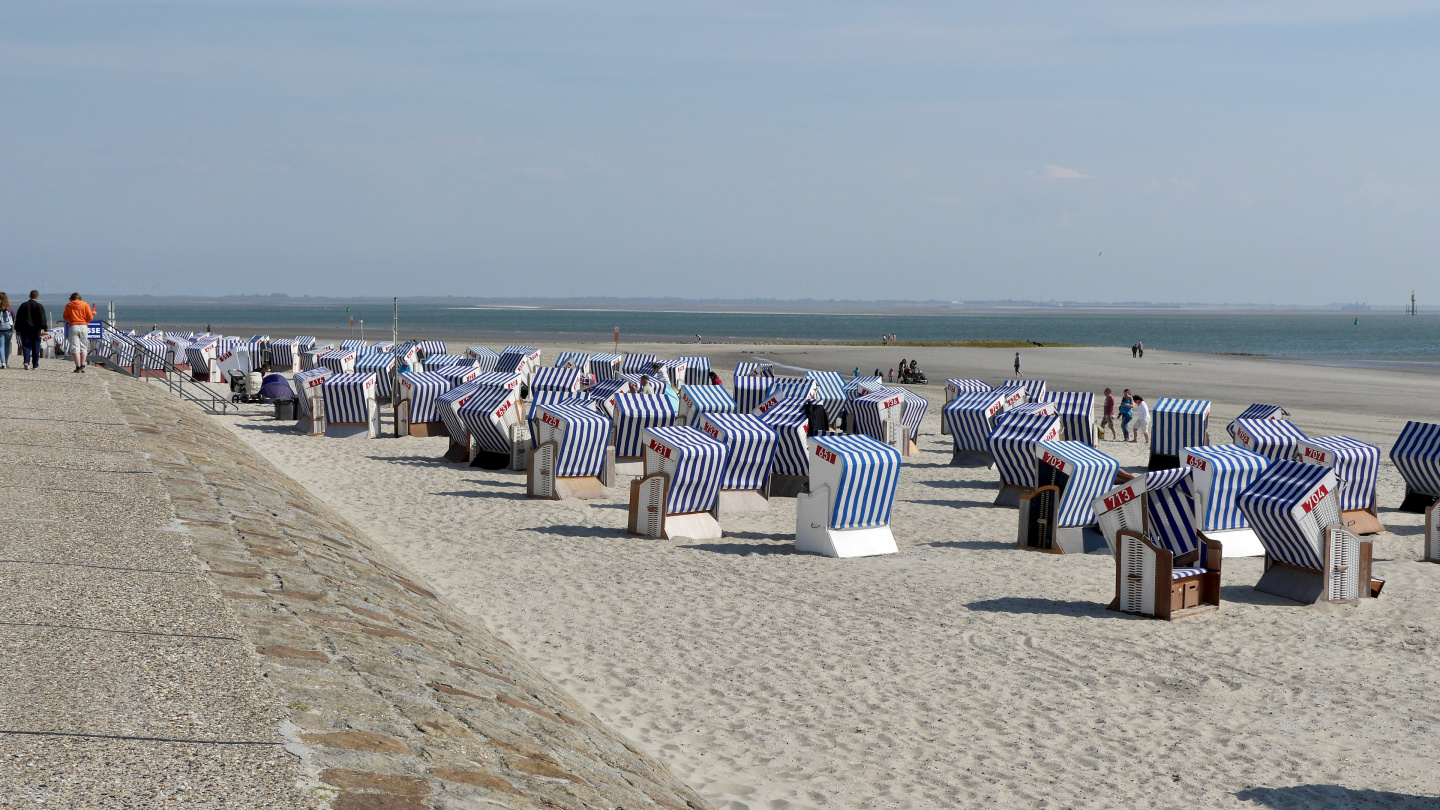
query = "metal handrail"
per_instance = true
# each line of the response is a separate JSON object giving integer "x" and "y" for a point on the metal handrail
{"x": 175, "y": 379}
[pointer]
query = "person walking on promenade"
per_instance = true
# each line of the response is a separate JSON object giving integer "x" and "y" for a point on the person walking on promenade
{"x": 1127, "y": 413}
{"x": 1140, "y": 347}
{"x": 1142, "y": 419}
{"x": 1108, "y": 420}
{"x": 1017, "y": 364}
{"x": 78, "y": 315}
{"x": 30, "y": 321}
{"x": 7, "y": 330}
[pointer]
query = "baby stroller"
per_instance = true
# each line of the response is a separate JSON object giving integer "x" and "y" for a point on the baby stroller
{"x": 245, "y": 387}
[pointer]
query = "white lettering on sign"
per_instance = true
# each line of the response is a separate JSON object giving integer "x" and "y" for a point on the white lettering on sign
{"x": 1119, "y": 498}
{"x": 549, "y": 420}
{"x": 1197, "y": 463}
{"x": 825, "y": 454}
{"x": 660, "y": 448}
{"x": 1314, "y": 498}
{"x": 1053, "y": 460}
{"x": 1319, "y": 455}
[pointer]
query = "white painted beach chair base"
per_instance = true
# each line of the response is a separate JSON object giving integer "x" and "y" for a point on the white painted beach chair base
{"x": 813, "y": 534}
{"x": 1432, "y": 534}
{"x": 972, "y": 458}
{"x": 310, "y": 426}
{"x": 520, "y": 446}
{"x": 352, "y": 430}
{"x": 633, "y": 467}
{"x": 1346, "y": 577}
{"x": 1010, "y": 494}
{"x": 733, "y": 501}
{"x": 1239, "y": 542}
{"x": 788, "y": 486}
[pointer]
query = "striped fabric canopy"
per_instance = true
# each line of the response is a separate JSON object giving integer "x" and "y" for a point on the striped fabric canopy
{"x": 1356, "y": 465}
{"x": 580, "y": 361}
{"x": 755, "y": 370}
{"x": 750, "y": 392}
{"x": 407, "y": 353}
{"x": 830, "y": 392}
{"x": 1275, "y": 439}
{"x": 1026, "y": 409}
{"x": 1289, "y": 507}
{"x": 1170, "y": 506}
{"x": 381, "y": 365}
{"x": 432, "y": 347}
{"x": 303, "y": 381}
{"x": 201, "y": 354}
{"x": 791, "y": 388}
{"x": 634, "y": 413}
{"x": 860, "y": 386}
{"x": 227, "y": 343}
{"x": 695, "y": 463}
{"x": 605, "y": 366}
{"x": 1013, "y": 446}
{"x": 1257, "y": 411}
{"x": 915, "y": 408}
{"x": 498, "y": 379}
{"x": 954, "y": 387}
{"x": 750, "y": 448}
{"x": 438, "y": 361}
{"x": 447, "y": 406}
{"x": 868, "y": 411}
{"x": 869, "y": 473}
{"x": 305, "y": 342}
{"x": 421, "y": 388}
{"x": 555, "y": 379}
{"x": 1416, "y": 455}
{"x": 518, "y": 358}
{"x": 486, "y": 359}
{"x": 582, "y": 435}
{"x": 601, "y": 393}
{"x": 1179, "y": 423}
{"x": 1034, "y": 389}
{"x": 282, "y": 352}
{"x": 970, "y": 418}
{"x": 337, "y": 360}
{"x": 1221, "y": 473}
{"x": 486, "y": 417}
{"x": 698, "y": 399}
{"x": 382, "y": 346}
{"x": 638, "y": 363}
{"x": 354, "y": 345}
{"x": 153, "y": 353}
{"x": 1090, "y": 473}
{"x": 697, "y": 370}
{"x": 456, "y": 374}
{"x": 551, "y": 398}
{"x": 349, "y": 398}
{"x": 124, "y": 353}
{"x": 791, "y": 425}
{"x": 1076, "y": 410}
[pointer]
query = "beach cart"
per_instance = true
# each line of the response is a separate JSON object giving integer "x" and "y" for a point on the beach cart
{"x": 1357, "y": 468}
{"x": 697, "y": 370}
{"x": 830, "y": 392}
{"x": 1076, "y": 410}
{"x": 350, "y": 407}
{"x": 1012, "y": 445}
{"x": 791, "y": 423}
{"x": 633, "y": 415}
{"x": 680, "y": 488}
{"x": 555, "y": 379}
{"x": 340, "y": 361}
{"x": 309, "y": 390}
{"x": 382, "y": 365}
{"x": 749, "y": 458}
{"x": 415, "y": 413}
{"x": 881, "y": 416}
{"x": 698, "y": 399}
{"x": 1275, "y": 439}
{"x": 971, "y": 417}
{"x": 1221, "y": 473}
{"x": 605, "y": 366}
{"x": 1416, "y": 455}
{"x": 572, "y": 457}
{"x": 1056, "y": 514}
{"x": 491, "y": 420}
{"x": 954, "y": 388}
{"x": 1257, "y": 410}
{"x": 1178, "y": 424}
{"x": 1309, "y": 554}
{"x": 846, "y": 512}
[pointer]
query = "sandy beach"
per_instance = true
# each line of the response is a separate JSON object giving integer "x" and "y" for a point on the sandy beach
{"x": 961, "y": 671}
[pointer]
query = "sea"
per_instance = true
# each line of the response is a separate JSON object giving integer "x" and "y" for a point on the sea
{"x": 1337, "y": 337}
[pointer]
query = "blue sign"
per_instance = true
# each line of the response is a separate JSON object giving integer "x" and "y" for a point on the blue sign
{"x": 94, "y": 330}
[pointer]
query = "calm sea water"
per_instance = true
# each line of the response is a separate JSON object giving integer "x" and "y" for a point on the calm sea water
{"x": 1318, "y": 336}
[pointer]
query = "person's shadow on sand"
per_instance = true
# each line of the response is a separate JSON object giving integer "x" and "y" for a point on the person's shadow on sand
{"x": 1334, "y": 797}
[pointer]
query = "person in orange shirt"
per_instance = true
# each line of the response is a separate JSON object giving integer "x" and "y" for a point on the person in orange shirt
{"x": 78, "y": 315}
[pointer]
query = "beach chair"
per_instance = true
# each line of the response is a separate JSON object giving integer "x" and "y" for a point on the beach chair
{"x": 1357, "y": 468}
{"x": 791, "y": 423}
{"x": 1012, "y": 445}
{"x": 1076, "y": 410}
{"x": 240, "y": 359}
{"x": 1165, "y": 567}
{"x": 602, "y": 394}
{"x": 605, "y": 366}
{"x": 1275, "y": 439}
{"x": 356, "y": 346}
{"x": 1027, "y": 409}
{"x": 1416, "y": 455}
{"x": 415, "y": 413}
{"x": 1056, "y": 514}
{"x": 969, "y": 418}
{"x": 1177, "y": 424}
{"x": 846, "y": 510}
{"x": 1257, "y": 410}
{"x": 639, "y": 363}
{"x": 633, "y": 415}
{"x": 407, "y": 357}
{"x": 881, "y": 416}
{"x": 431, "y": 348}
{"x": 178, "y": 348}
{"x": 381, "y": 346}
{"x": 523, "y": 360}
{"x": 754, "y": 369}
{"x": 579, "y": 361}
{"x": 382, "y": 365}
{"x": 680, "y": 488}
{"x": 151, "y": 357}
{"x": 572, "y": 457}
{"x": 802, "y": 388}
{"x": 699, "y": 399}
{"x": 282, "y": 355}
{"x": 447, "y": 407}
{"x": 1309, "y": 554}
{"x": 749, "y": 392}
{"x": 350, "y": 407}
{"x": 495, "y": 433}
{"x": 203, "y": 362}
{"x": 340, "y": 361}
{"x": 310, "y": 393}
{"x": 750, "y": 446}
{"x": 1221, "y": 473}
{"x": 954, "y": 388}
{"x": 1035, "y": 390}
{"x": 830, "y": 392}
{"x": 916, "y": 407}
{"x": 531, "y": 410}
{"x": 565, "y": 380}
{"x": 310, "y": 358}
{"x": 435, "y": 362}
{"x": 486, "y": 359}
{"x": 675, "y": 371}
{"x": 697, "y": 370}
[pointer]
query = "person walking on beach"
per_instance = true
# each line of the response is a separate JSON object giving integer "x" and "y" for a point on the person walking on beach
{"x": 7, "y": 330}
{"x": 1140, "y": 347}
{"x": 855, "y": 375}
{"x": 892, "y": 375}
{"x": 1142, "y": 419}
{"x": 1108, "y": 419}
{"x": 1134, "y": 350}
{"x": 1127, "y": 413}
{"x": 78, "y": 315}
{"x": 1017, "y": 364}
{"x": 30, "y": 321}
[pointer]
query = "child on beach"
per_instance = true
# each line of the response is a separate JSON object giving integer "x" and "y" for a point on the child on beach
{"x": 892, "y": 375}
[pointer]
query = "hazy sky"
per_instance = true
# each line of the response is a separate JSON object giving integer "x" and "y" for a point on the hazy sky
{"x": 1251, "y": 151}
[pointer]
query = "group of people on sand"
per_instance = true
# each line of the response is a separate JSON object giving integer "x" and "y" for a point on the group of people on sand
{"x": 1134, "y": 414}
{"x": 29, "y": 321}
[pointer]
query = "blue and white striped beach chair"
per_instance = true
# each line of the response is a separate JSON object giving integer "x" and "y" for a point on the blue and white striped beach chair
{"x": 1416, "y": 455}
{"x": 580, "y": 361}
{"x": 309, "y": 393}
{"x": 749, "y": 458}
{"x": 830, "y": 392}
{"x": 1076, "y": 410}
{"x": 1012, "y": 445}
{"x": 1069, "y": 476}
{"x": 634, "y": 414}
{"x": 605, "y": 366}
{"x": 1179, "y": 423}
{"x": 415, "y": 413}
{"x": 382, "y": 365}
{"x": 350, "y": 406}
{"x": 429, "y": 348}
{"x": 1357, "y": 468}
{"x": 1221, "y": 473}
{"x": 680, "y": 488}
{"x": 1257, "y": 411}
{"x": 356, "y": 346}
{"x": 698, "y": 399}
{"x": 639, "y": 363}
{"x": 602, "y": 394}
{"x": 969, "y": 418}
{"x": 340, "y": 361}
{"x": 791, "y": 424}
{"x": 697, "y": 370}
{"x": 565, "y": 380}
{"x": 491, "y": 420}
{"x": 846, "y": 512}
{"x": 572, "y": 457}
{"x": 1275, "y": 439}
{"x": 486, "y": 359}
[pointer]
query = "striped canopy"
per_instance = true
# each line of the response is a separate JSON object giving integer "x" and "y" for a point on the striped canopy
{"x": 304, "y": 342}
{"x": 1013, "y": 446}
{"x": 1416, "y": 455}
{"x": 498, "y": 379}
{"x": 698, "y": 399}
{"x": 1089, "y": 473}
{"x": 1221, "y": 473}
{"x": 970, "y": 417}
{"x": 421, "y": 388}
{"x": 580, "y": 361}
{"x": 1274, "y": 439}
{"x": 956, "y": 387}
{"x": 634, "y": 413}
{"x": 1179, "y": 423}
{"x": 555, "y": 379}
{"x": 791, "y": 425}
{"x": 349, "y": 398}
{"x": 1034, "y": 389}
{"x": 750, "y": 448}
{"x": 860, "y": 386}
{"x": 354, "y": 345}
{"x": 791, "y": 388}
{"x": 695, "y": 463}
{"x": 582, "y": 435}
{"x": 755, "y": 370}
{"x": 1289, "y": 507}
{"x": 601, "y": 393}
{"x": 380, "y": 364}
{"x": 485, "y": 358}
{"x": 829, "y": 391}
{"x": 153, "y": 353}
{"x": 697, "y": 370}
{"x": 638, "y": 363}
{"x": 201, "y": 354}
{"x": 750, "y": 392}
{"x": 1026, "y": 409}
{"x": 1257, "y": 411}
{"x": 447, "y": 406}
{"x": 1076, "y": 410}
{"x": 456, "y": 374}
{"x": 1168, "y": 499}
{"x": 438, "y": 361}
{"x": 337, "y": 360}
{"x": 868, "y": 412}
{"x": 407, "y": 353}
{"x": 1356, "y": 465}
{"x": 487, "y": 415}
{"x": 915, "y": 408}
{"x": 518, "y": 358}
{"x": 863, "y": 494}
{"x": 383, "y": 346}
{"x": 605, "y": 366}
{"x": 303, "y": 381}
{"x": 432, "y": 347}
{"x": 551, "y": 398}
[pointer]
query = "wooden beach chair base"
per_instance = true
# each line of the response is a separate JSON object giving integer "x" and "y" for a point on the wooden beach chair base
{"x": 350, "y": 430}
{"x": 457, "y": 452}
{"x": 1346, "y": 577}
{"x": 633, "y": 467}
{"x": 648, "y": 518}
{"x": 1146, "y": 585}
{"x": 788, "y": 486}
{"x": 1417, "y": 502}
{"x": 972, "y": 458}
{"x": 733, "y": 501}
{"x": 425, "y": 430}
{"x": 541, "y": 481}
{"x": 1010, "y": 495}
{"x": 1362, "y": 521}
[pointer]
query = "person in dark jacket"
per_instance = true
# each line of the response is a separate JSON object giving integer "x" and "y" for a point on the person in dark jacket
{"x": 30, "y": 321}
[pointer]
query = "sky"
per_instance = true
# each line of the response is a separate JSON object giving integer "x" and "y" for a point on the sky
{"x": 1248, "y": 152}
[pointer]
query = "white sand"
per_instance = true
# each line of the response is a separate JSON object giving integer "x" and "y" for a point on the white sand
{"x": 961, "y": 671}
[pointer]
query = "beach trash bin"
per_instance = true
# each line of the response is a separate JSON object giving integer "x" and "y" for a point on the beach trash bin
{"x": 285, "y": 409}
